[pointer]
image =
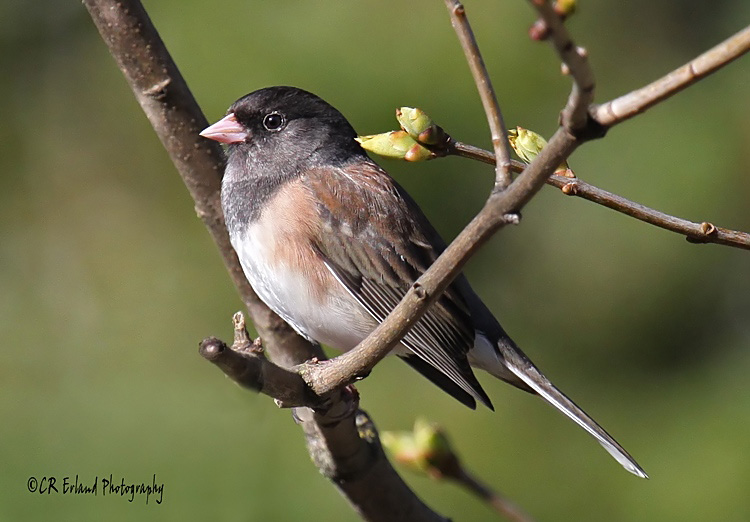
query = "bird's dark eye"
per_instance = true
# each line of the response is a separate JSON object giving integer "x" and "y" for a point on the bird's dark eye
{"x": 273, "y": 121}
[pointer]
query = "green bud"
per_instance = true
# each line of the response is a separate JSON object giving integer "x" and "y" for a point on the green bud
{"x": 432, "y": 442}
{"x": 413, "y": 120}
{"x": 418, "y": 153}
{"x": 565, "y": 8}
{"x": 396, "y": 145}
{"x": 528, "y": 144}
{"x": 403, "y": 448}
{"x": 425, "y": 450}
{"x": 419, "y": 125}
{"x": 392, "y": 144}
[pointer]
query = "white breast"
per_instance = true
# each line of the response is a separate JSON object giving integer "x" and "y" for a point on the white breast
{"x": 334, "y": 318}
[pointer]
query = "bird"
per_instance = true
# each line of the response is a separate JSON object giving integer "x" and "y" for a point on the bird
{"x": 331, "y": 243}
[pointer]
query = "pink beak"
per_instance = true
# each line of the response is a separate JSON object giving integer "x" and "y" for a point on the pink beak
{"x": 226, "y": 130}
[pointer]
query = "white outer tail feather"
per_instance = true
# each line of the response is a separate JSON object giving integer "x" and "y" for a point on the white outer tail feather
{"x": 584, "y": 421}
{"x": 510, "y": 358}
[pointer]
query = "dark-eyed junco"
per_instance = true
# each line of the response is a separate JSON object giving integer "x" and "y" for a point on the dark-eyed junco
{"x": 330, "y": 242}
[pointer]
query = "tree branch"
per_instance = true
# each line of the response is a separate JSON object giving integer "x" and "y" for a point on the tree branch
{"x": 635, "y": 102}
{"x": 703, "y": 232}
{"x": 177, "y": 119}
{"x": 341, "y": 439}
{"x": 245, "y": 363}
{"x": 575, "y": 59}
{"x": 351, "y": 457}
{"x": 481, "y": 77}
{"x": 499, "y": 502}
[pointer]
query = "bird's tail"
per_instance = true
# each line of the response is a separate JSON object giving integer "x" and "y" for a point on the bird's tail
{"x": 512, "y": 362}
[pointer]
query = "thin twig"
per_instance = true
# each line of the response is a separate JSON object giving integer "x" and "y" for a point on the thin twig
{"x": 427, "y": 449}
{"x": 499, "y": 502}
{"x": 498, "y": 131}
{"x": 575, "y": 114}
{"x": 620, "y": 109}
{"x": 703, "y": 232}
{"x": 694, "y": 232}
{"x": 245, "y": 363}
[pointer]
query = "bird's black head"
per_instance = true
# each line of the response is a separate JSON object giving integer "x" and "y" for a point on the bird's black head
{"x": 286, "y": 130}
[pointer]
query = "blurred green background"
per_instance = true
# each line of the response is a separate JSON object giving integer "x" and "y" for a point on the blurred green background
{"x": 108, "y": 281}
